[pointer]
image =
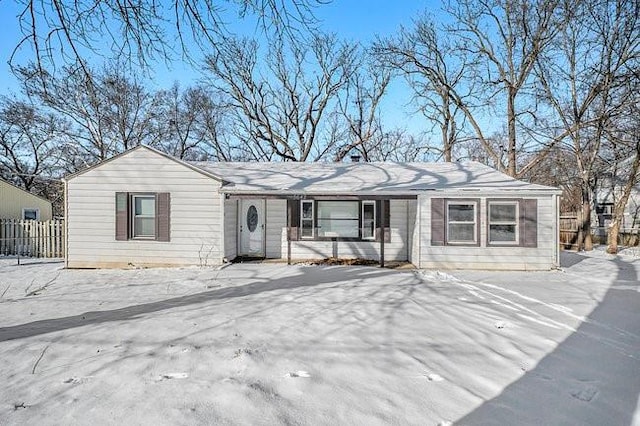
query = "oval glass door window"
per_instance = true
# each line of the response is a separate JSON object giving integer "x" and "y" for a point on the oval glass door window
{"x": 252, "y": 218}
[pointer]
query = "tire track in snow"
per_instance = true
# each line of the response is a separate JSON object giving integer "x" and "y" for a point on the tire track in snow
{"x": 538, "y": 317}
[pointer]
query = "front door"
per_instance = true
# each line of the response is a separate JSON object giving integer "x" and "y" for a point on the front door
{"x": 251, "y": 228}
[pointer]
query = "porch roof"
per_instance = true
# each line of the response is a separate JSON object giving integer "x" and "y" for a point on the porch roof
{"x": 290, "y": 178}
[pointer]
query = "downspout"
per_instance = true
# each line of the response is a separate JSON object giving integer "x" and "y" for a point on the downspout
{"x": 409, "y": 240}
{"x": 417, "y": 232}
{"x": 382, "y": 233}
{"x": 222, "y": 224}
{"x": 66, "y": 223}
{"x": 556, "y": 233}
{"x": 289, "y": 216}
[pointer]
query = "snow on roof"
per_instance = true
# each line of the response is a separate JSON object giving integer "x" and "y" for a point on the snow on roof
{"x": 361, "y": 178}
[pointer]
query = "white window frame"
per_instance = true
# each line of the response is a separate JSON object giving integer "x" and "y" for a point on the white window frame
{"x": 25, "y": 209}
{"x": 302, "y": 219}
{"x": 514, "y": 222}
{"x": 133, "y": 217}
{"x": 475, "y": 222}
{"x": 323, "y": 234}
{"x": 373, "y": 234}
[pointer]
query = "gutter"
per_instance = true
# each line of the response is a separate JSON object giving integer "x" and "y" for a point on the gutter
{"x": 289, "y": 193}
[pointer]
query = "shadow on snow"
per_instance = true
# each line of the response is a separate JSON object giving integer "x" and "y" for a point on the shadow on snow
{"x": 597, "y": 368}
{"x": 258, "y": 285}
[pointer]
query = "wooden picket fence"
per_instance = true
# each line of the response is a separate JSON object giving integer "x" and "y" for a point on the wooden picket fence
{"x": 569, "y": 231}
{"x": 31, "y": 238}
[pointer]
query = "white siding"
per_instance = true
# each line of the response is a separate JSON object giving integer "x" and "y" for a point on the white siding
{"x": 394, "y": 250}
{"x": 230, "y": 229}
{"x": 542, "y": 257}
{"x": 276, "y": 229}
{"x": 195, "y": 207}
{"x": 413, "y": 232}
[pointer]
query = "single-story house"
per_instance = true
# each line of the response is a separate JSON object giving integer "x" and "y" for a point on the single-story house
{"x": 18, "y": 204}
{"x": 146, "y": 208}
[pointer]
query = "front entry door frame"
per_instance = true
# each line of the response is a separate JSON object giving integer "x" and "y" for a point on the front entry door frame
{"x": 251, "y": 227}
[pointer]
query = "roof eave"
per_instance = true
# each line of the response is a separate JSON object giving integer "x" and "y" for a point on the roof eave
{"x": 288, "y": 192}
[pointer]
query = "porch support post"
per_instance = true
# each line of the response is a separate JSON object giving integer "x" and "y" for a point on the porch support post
{"x": 289, "y": 214}
{"x": 382, "y": 233}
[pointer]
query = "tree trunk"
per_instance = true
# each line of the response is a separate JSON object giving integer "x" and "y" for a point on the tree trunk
{"x": 511, "y": 132}
{"x": 446, "y": 144}
{"x": 587, "y": 243}
{"x": 621, "y": 203}
{"x": 612, "y": 236}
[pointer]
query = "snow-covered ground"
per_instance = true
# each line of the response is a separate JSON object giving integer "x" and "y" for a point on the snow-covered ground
{"x": 276, "y": 344}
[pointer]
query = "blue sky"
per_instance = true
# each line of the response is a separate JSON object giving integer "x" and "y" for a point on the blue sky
{"x": 351, "y": 20}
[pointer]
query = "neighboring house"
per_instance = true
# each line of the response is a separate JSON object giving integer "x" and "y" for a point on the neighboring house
{"x": 146, "y": 208}
{"x": 16, "y": 203}
{"x": 607, "y": 192}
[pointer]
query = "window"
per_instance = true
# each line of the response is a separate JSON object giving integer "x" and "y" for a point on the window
{"x": 503, "y": 222}
{"x": 368, "y": 220}
{"x": 461, "y": 222}
{"x": 338, "y": 219}
{"x": 306, "y": 219}
{"x": 30, "y": 214}
{"x": 346, "y": 220}
{"x": 604, "y": 209}
{"x": 143, "y": 216}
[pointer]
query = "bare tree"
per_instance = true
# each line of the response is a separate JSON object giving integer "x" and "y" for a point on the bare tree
{"x": 400, "y": 146}
{"x": 192, "y": 124}
{"x": 284, "y": 108}
{"x": 180, "y": 112}
{"x": 430, "y": 61}
{"x": 28, "y": 151}
{"x": 107, "y": 111}
{"x": 212, "y": 125}
{"x": 359, "y": 109}
{"x": 508, "y": 37}
{"x": 61, "y": 33}
{"x": 580, "y": 80}
{"x": 623, "y": 148}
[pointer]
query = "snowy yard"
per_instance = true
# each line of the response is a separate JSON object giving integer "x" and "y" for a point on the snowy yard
{"x": 277, "y": 344}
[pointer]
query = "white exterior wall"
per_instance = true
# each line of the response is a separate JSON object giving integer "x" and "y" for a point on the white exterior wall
{"x": 195, "y": 214}
{"x": 413, "y": 232}
{"x": 394, "y": 250}
{"x": 276, "y": 229}
{"x": 542, "y": 257}
{"x": 230, "y": 229}
{"x": 632, "y": 211}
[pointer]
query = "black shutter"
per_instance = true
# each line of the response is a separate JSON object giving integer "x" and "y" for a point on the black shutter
{"x": 122, "y": 216}
{"x": 529, "y": 223}
{"x": 163, "y": 215}
{"x": 293, "y": 219}
{"x": 438, "y": 224}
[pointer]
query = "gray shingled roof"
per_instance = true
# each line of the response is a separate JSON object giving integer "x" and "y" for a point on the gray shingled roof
{"x": 361, "y": 178}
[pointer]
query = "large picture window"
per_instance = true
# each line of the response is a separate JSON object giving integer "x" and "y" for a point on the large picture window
{"x": 346, "y": 220}
{"x": 462, "y": 222}
{"x": 503, "y": 222}
{"x": 338, "y": 219}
